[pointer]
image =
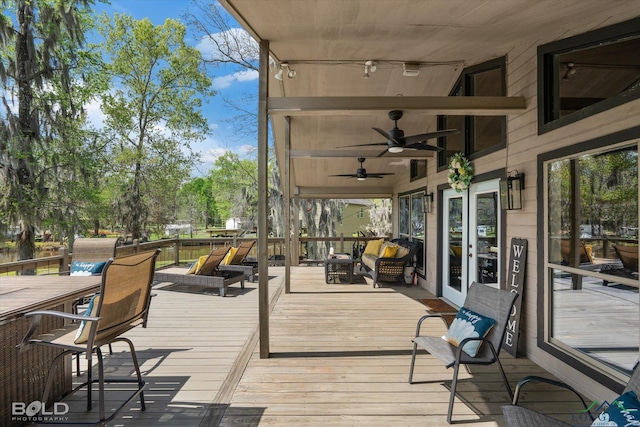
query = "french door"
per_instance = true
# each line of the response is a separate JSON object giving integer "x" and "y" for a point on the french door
{"x": 471, "y": 239}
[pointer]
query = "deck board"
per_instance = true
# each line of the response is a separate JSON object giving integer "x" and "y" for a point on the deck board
{"x": 340, "y": 356}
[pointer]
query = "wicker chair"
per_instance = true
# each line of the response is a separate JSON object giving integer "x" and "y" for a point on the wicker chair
{"x": 392, "y": 269}
{"x": 518, "y": 416}
{"x": 122, "y": 304}
{"x": 487, "y": 301}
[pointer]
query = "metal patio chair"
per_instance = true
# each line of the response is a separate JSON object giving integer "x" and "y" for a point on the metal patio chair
{"x": 518, "y": 416}
{"x": 487, "y": 301}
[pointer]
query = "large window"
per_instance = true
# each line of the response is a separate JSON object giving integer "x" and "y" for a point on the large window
{"x": 478, "y": 135}
{"x": 584, "y": 75}
{"x": 591, "y": 256}
{"x": 411, "y": 223}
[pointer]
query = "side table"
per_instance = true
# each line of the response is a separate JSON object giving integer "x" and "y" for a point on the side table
{"x": 337, "y": 267}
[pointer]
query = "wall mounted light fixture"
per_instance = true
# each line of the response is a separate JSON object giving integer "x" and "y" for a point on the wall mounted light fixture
{"x": 511, "y": 191}
{"x": 284, "y": 67}
{"x": 427, "y": 203}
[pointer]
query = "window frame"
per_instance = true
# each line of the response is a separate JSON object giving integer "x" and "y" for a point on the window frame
{"x": 411, "y": 196}
{"x": 464, "y": 87}
{"x": 598, "y": 371}
{"x": 548, "y": 72}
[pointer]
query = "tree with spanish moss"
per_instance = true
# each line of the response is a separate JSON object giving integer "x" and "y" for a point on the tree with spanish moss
{"x": 42, "y": 143}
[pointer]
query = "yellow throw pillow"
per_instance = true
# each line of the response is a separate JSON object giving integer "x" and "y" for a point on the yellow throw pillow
{"x": 373, "y": 247}
{"x": 389, "y": 251}
{"x": 196, "y": 265}
{"x": 229, "y": 256}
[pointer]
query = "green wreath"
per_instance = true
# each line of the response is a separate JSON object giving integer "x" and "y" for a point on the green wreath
{"x": 460, "y": 172}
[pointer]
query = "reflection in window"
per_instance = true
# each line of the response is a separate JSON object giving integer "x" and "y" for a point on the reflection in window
{"x": 481, "y": 134}
{"x": 587, "y": 74}
{"x": 592, "y": 255}
{"x": 411, "y": 223}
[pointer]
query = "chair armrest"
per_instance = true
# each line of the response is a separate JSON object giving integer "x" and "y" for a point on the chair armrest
{"x": 37, "y": 316}
{"x": 427, "y": 316}
{"x": 534, "y": 378}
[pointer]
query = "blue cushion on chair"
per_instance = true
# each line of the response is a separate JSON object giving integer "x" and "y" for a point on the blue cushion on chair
{"x": 84, "y": 268}
{"x": 468, "y": 324}
{"x": 624, "y": 411}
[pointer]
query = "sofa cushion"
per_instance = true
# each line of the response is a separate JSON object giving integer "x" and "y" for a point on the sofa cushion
{"x": 369, "y": 261}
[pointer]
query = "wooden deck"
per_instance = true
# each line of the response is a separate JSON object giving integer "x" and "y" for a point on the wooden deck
{"x": 340, "y": 357}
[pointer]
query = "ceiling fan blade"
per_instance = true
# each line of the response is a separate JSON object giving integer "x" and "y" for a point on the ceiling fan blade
{"x": 388, "y": 136}
{"x": 381, "y": 173}
{"x": 348, "y": 175}
{"x": 362, "y": 145}
{"x": 424, "y": 136}
{"x": 383, "y": 153}
{"x": 421, "y": 146}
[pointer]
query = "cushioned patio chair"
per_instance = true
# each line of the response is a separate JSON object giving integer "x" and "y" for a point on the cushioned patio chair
{"x": 206, "y": 273}
{"x": 90, "y": 254}
{"x": 519, "y": 416}
{"x": 486, "y": 304}
{"x": 628, "y": 256}
{"x": 238, "y": 261}
{"x": 122, "y": 304}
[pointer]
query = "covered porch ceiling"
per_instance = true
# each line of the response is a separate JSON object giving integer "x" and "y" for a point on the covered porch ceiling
{"x": 330, "y": 102}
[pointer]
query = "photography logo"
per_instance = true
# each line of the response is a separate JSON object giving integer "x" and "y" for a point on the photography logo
{"x": 583, "y": 417}
{"x": 36, "y": 411}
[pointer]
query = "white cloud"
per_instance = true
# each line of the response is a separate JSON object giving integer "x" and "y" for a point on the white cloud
{"x": 240, "y": 76}
{"x": 244, "y": 45}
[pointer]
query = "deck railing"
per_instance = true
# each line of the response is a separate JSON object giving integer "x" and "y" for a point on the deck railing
{"x": 183, "y": 251}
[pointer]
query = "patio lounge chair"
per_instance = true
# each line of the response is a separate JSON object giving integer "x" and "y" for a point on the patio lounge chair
{"x": 487, "y": 302}
{"x": 207, "y": 275}
{"x": 238, "y": 262}
{"x": 586, "y": 255}
{"x": 628, "y": 256}
{"x": 121, "y": 305}
{"x": 518, "y": 416}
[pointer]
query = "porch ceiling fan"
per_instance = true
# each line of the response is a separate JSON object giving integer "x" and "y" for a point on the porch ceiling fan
{"x": 397, "y": 142}
{"x": 361, "y": 174}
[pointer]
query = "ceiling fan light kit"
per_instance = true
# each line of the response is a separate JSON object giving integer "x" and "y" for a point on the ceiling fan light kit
{"x": 410, "y": 69}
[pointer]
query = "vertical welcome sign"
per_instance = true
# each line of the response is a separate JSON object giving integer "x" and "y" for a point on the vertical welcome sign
{"x": 515, "y": 283}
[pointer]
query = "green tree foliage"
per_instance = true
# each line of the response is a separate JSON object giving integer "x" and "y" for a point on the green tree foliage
{"x": 43, "y": 151}
{"x": 234, "y": 183}
{"x": 152, "y": 114}
{"x": 197, "y": 203}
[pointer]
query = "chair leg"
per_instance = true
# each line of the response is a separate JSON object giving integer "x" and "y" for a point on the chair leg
{"x": 134, "y": 357}
{"x": 413, "y": 361}
{"x": 504, "y": 378}
{"x": 89, "y": 380}
{"x": 100, "y": 383}
{"x": 49, "y": 383}
{"x": 453, "y": 391}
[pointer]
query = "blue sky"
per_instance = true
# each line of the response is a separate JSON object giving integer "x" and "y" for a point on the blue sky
{"x": 227, "y": 81}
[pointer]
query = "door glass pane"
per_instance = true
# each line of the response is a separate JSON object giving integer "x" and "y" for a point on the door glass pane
{"x": 417, "y": 217}
{"x": 403, "y": 212}
{"x": 486, "y": 237}
{"x": 454, "y": 239}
